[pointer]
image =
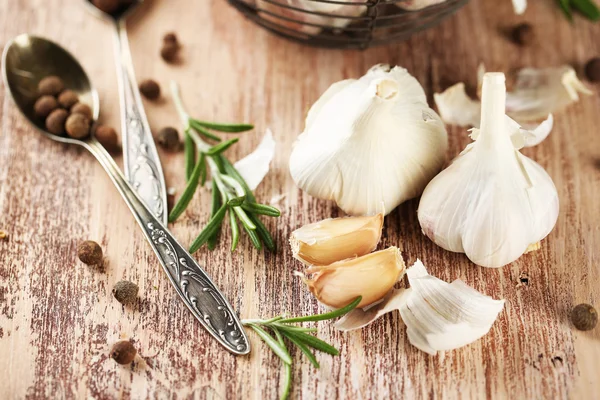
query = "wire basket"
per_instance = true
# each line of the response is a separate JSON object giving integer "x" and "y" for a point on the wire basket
{"x": 348, "y": 24}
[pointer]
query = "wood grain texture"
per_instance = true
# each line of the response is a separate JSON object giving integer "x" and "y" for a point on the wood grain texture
{"x": 58, "y": 318}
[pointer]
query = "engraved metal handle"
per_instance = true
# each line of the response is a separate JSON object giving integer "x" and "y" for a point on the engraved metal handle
{"x": 194, "y": 287}
{"x": 142, "y": 165}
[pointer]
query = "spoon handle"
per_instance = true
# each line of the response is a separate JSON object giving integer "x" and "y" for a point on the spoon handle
{"x": 193, "y": 285}
{"x": 142, "y": 165}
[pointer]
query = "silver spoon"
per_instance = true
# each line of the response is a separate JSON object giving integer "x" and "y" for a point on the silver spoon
{"x": 25, "y": 61}
{"x": 140, "y": 158}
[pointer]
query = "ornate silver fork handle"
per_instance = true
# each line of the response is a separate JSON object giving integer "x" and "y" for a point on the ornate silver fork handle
{"x": 142, "y": 165}
{"x": 194, "y": 287}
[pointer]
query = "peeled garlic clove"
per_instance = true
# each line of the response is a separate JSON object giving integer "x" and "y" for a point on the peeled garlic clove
{"x": 492, "y": 202}
{"x": 370, "y": 144}
{"x": 331, "y": 240}
{"x": 255, "y": 166}
{"x": 370, "y": 276}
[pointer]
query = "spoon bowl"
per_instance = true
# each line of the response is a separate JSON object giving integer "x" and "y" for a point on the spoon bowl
{"x": 26, "y": 60}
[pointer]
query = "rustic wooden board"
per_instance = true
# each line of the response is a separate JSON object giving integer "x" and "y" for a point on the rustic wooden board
{"x": 58, "y": 318}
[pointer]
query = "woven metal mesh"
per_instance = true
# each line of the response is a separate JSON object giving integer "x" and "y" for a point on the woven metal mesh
{"x": 346, "y": 24}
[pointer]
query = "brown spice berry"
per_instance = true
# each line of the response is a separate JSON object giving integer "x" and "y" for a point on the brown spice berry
{"x": 125, "y": 292}
{"x": 108, "y": 6}
{"x": 584, "y": 317}
{"x": 170, "y": 37}
{"x": 168, "y": 138}
{"x": 523, "y": 34}
{"x": 123, "y": 352}
{"x": 67, "y": 99}
{"x": 150, "y": 89}
{"x": 592, "y": 69}
{"x": 169, "y": 51}
{"x": 90, "y": 253}
{"x": 55, "y": 123}
{"x": 44, "y": 106}
{"x": 107, "y": 136}
{"x": 77, "y": 126}
{"x": 3, "y": 235}
{"x": 51, "y": 85}
{"x": 81, "y": 108}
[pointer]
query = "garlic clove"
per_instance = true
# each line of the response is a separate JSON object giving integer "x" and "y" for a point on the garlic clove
{"x": 370, "y": 276}
{"x": 255, "y": 166}
{"x": 331, "y": 240}
{"x": 456, "y": 107}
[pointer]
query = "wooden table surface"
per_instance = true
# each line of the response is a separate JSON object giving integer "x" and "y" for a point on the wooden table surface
{"x": 58, "y": 318}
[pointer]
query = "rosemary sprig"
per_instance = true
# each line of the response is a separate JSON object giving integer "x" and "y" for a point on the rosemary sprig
{"x": 298, "y": 336}
{"x": 586, "y": 7}
{"x": 230, "y": 192}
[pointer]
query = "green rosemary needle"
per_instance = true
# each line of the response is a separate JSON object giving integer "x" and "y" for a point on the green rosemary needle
{"x": 230, "y": 192}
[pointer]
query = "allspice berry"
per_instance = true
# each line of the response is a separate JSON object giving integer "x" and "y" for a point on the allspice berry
{"x": 77, "y": 126}
{"x": 108, "y": 6}
{"x": 67, "y": 99}
{"x": 169, "y": 51}
{"x": 123, "y": 352}
{"x": 55, "y": 123}
{"x": 592, "y": 69}
{"x": 150, "y": 89}
{"x": 51, "y": 85}
{"x": 81, "y": 108}
{"x": 584, "y": 317}
{"x": 168, "y": 138}
{"x": 523, "y": 34}
{"x": 125, "y": 292}
{"x": 44, "y": 106}
{"x": 169, "y": 38}
{"x": 107, "y": 136}
{"x": 90, "y": 253}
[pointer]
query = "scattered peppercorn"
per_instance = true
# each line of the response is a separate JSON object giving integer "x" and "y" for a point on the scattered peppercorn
{"x": 523, "y": 34}
{"x": 55, "y": 123}
{"x": 125, "y": 292}
{"x": 123, "y": 352}
{"x": 3, "y": 235}
{"x": 584, "y": 317}
{"x": 108, "y": 6}
{"x": 168, "y": 138}
{"x": 45, "y": 105}
{"x": 50, "y": 85}
{"x": 592, "y": 69}
{"x": 169, "y": 51}
{"x": 81, "y": 108}
{"x": 90, "y": 253}
{"x": 107, "y": 136}
{"x": 77, "y": 126}
{"x": 150, "y": 89}
{"x": 67, "y": 99}
{"x": 170, "y": 37}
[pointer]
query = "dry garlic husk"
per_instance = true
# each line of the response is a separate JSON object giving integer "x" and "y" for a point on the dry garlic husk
{"x": 370, "y": 144}
{"x": 370, "y": 276}
{"x": 492, "y": 202}
{"x": 334, "y": 239}
{"x": 255, "y": 166}
{"x": 413, "y": 5}
{"x": 439, "y": 316}
{"x": 519, "y": 6}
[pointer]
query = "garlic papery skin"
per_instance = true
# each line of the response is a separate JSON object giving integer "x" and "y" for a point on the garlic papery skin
{"x": 492, "y": 202}
{"x": 370, "y": 276}
{"x": 439, "y": 316}
{"x": 370, "y": 144}
{"x": 413, "y": 5}
{"x": 255, "y": 166}
{"x": 334, "y": 239}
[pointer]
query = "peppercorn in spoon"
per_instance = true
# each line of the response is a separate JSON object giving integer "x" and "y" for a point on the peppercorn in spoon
{"x": 25, "y": 61}
{"x": 140, "y": 158}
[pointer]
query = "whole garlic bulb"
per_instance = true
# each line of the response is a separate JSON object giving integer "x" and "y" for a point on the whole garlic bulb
{"x": 492, "y": 202}
{"x": 370, "y": 144}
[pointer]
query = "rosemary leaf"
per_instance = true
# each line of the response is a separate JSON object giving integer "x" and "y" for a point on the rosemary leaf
{"x": 292, "y": 328}
{"x": 190, "y": 155}
{"x": 304, "y": 348}
{"x": 253, "y": 237}
{"x": 231, "y": 128}
{"x": 322, "y": 317}
{"x": 277, "y": 348}
{"x": 246, "y": 221}
{"x": 235, "y": 230}
{"x": 221, "y": 147}
{"x": 261, "y": 209}
{"x": 263, "y": 233}
{"x": 313, "y": 342}
{"x": 210, "y": 229}
{"x": 236, "y": 201}
{"x": 287, "y": 382}
{"x": 565, "y": 6}
{"x": 232, "y": 172}
{"x": 202, "y": 131}
{"x": 203, "y": 172}
{"x": 587, "y": 8}
{"x": 188, "y": 193}
{"x": 214, "y": 208}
